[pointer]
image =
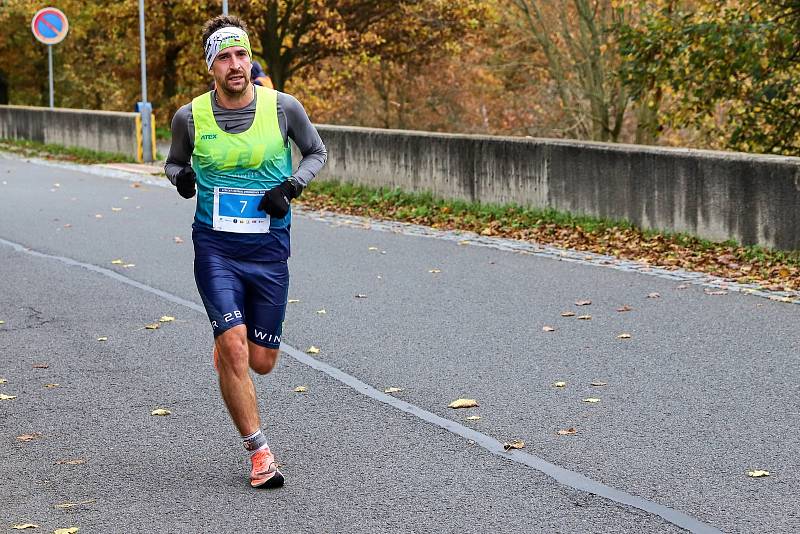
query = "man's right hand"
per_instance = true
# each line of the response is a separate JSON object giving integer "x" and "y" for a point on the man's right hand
{"x": 185, "y": 182}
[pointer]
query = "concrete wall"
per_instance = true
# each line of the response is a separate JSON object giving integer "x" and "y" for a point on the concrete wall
{"x": 716, "y": 195}
{"x": 103, "y": 131}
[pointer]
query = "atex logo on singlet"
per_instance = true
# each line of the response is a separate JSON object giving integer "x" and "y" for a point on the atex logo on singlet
{"x": 208, "y": 136}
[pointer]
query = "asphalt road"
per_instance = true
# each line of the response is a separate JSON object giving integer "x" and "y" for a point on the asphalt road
{"x": 705, "y": 390}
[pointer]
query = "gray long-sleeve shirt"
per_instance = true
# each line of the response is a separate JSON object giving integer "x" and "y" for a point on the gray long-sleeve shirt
{"x": 292, "y": 120}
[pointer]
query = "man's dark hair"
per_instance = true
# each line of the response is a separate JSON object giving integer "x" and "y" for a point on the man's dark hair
{"x": 221, "y": 21}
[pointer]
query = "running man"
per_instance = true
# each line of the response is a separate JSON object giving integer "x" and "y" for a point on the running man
{"x": 231, "y": 147}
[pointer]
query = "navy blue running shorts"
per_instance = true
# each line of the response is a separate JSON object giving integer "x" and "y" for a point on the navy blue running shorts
{"x": 252, "y": 293}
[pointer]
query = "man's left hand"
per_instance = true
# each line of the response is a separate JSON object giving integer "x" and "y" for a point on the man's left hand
{"x": 275, "y": 202}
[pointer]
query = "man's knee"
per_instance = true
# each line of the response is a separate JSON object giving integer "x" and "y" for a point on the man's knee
{"x": 232, "y": 346}
{"x": 263, "y": 360}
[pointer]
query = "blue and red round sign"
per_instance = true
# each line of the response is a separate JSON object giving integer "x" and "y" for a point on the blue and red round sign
{"x": 49, "y": 25}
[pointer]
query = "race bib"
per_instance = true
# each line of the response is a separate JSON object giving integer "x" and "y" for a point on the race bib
{"x": 236, "y": 210}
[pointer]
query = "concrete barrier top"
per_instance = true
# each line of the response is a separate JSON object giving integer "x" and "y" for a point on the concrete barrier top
{"x": 75, "y": 110}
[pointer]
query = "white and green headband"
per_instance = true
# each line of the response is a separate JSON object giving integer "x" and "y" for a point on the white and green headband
{"x": 225, "y": 38}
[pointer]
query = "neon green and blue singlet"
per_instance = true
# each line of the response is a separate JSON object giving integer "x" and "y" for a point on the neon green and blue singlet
{"x": 233, "y": 172}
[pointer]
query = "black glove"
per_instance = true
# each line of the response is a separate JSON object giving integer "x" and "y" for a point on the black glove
{"x": 185, "y": 182}
{"x": 275, "y": 202}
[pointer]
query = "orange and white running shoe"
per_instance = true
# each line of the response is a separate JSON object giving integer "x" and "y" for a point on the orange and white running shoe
{"x": 265, "y": 470}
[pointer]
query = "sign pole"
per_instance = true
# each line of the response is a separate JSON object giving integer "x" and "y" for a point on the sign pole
{"x": 224, "y": 7}
{"x": 50, "y": 65}
{"x": 50, "y": 26}
{"x": 145, "y": 108}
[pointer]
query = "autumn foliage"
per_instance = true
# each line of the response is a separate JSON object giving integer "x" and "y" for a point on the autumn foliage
{"x": 701, "y": 73}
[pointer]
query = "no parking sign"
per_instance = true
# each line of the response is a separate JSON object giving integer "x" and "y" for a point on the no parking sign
{"x": 50, "y": 26}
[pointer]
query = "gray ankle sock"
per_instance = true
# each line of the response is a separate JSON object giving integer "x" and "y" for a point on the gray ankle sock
{"x": 255, "y": 441}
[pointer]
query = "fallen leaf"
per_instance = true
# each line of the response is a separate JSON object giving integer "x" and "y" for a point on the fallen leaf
{"x": 654, "y": 296}
{"x": 129, "y": 265}
{"x": 23, "y": 526}
{"x": 67, "y": 225}
{"x": 463, "y": 403}
{"x": 360, "y": 296}
{"x": 178, "y": 239}
{"x": 166, "y": 319}
{"x": 583, "y": 303}
{"x": 70, "y": 530}
{"x": 591, "y": 400}
{"x": 463, "y": 242}
{"x": 758, "y": 473}
{"x": 514, "y": 444}
{"x": 597, "y": 383}
{"x": 548, "y": 329}
{"x": 567, "y": 314}
{"x": 784, "y": 272}
{"x": 2, "y": 322}
{"x": 41, "y": 365}
{"x": 716, "y": 292}
{"x": 372, "y": 248}
{"x": 56, "y": 185}
{"x": 98, "y": 216}
{"x": 3, "y": 396}
{"x": 434, "y": 271}
{"x": 152, "y": 326}
{"x": 312, "y": 350}
{"x": 160, "y": 411}
{"x": 624, "y": 308}
{"x": 322, "y": 311}
{"x": 67, "y": 505}
{"x": 559, "y": 384}
{"x": 392, "y": 390}
{"x": 473, "y": 417}
{"x": 293, "y": 301}
{"x": 116, "y": 209}
{"x": 73, "y": 461}
{"x": 568, "y": 432}
{"x": 117, "y": 262}
{"x": 136, "y": 185}
{"x": 50, "y": 386}
{"x": 624, "y": 336}
{"x": 300, "y": 389}
{"x": 102, "y": 338}
{"x": 585, "y": 317}
{"x": 3, "y": 380}
{"x": 29, "y": 437}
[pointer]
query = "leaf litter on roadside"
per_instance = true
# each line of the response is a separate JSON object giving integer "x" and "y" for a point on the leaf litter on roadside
{"x": 3, "y": 396}
{"x": 583, "y": 303}
{"x": 25, "y": 438}
{"x": 392, "y": 390}
{"x": 312, "y": 350}
{"x": 70, "y": 530}
{"x": 301, "y": 389}
{"x": 23, "y": 526}
{"x": 463, "y": 403}
{"x": 71, "y": 461}
{"x": 67, "y": 505}
{"x": 161, "y": 412}
{"x": 514, "y": 444}
{"x": 548, "y": 329}
{"x": 758, "y": 473}
{"x": 567, "y": 432}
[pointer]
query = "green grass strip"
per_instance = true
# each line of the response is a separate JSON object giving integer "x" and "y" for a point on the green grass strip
{"x": 508, "y": 219}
